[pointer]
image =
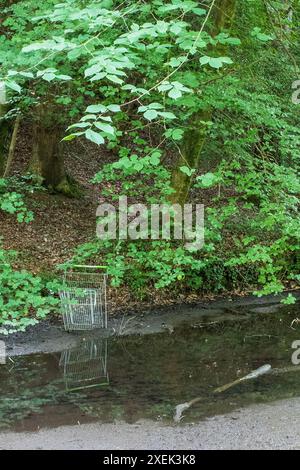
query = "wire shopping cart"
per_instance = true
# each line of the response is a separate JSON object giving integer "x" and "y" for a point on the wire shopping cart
{"x": 83, "y": 298}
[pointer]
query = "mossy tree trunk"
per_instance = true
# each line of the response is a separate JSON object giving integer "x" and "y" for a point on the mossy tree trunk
{"x": 194, "y": 138}
{"x": 191, "y": 148}
{"x": 47, "y": 162}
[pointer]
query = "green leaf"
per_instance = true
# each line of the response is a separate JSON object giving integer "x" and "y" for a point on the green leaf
{"x": 234, "y": 41}
{"x": 167, "y": 115}
{"x": 187, "y": 171}
{"x": 48, "y": 77}
{"x": 64, "y": 77}
{"x": 94, "y": 137}
{"x": 204, "y": 60}
{"x": 69, "y": 137}
{"x": 256, "y": 32}
{"x": 155, "y": 158}
{"x": 88, "y": 117}
{"x": 80, "y": 125}
{"x": 92, "y": 70}
{"x": 175, "y": 93}
{"x": 12, "y": 73}
{"x": 138, "y": 166}
{"x": 215, "y": 62}
{"x": 114, "y": 108}
{"x": 155, "y": 106}
{"x": 115, "y": 79}
{"x": 105, "y": 127}
{"x": 13, "y": 86}
{"x": 224, "y": 38}
{"x": 96, "y": 108}
{"x": 150, "y": 114}
{"x": 177, "y": 134}
{"x": 207, "y": 180}
{"x": 199, "y": 11}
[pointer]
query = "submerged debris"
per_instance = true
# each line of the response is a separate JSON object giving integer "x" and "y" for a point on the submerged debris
{"x": 252, "y": 375}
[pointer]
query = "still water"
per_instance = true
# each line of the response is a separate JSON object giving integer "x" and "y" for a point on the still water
{"x": 129, "y": 378}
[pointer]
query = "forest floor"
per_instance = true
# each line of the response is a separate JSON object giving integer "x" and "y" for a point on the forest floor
{"x": 264, "y": 427}
{"x": 60, "y": 223}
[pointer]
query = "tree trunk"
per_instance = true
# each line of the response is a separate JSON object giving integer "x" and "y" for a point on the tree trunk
{"x": 11, "y": 151}
{"x": 47, "y": 163}
{"x": 194, "y": 138}
{"x": 192, "y": 145}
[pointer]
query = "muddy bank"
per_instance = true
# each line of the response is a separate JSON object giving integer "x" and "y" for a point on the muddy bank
{"x": 272, "y": 426}
{"x": 48, "y": 337}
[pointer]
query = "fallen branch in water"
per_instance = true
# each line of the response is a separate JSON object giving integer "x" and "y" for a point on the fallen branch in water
{"x": 253, "y": 375}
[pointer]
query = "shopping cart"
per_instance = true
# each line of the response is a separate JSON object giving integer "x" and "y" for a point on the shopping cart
{"x": 83, "y": 297}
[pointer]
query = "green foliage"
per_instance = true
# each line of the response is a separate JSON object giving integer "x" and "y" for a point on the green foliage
{"x": 141, "y": 78}
{"x": 23, "y": 297}
{"x": 142, "y": 265}
{"x": 262, "y": 216}
{"x": 13, "y": 203}
{"x": 102, "y": 47}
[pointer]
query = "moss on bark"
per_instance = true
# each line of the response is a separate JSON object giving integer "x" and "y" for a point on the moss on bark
{"x": 47, "y": 161}
{"x": 195, "y": 136}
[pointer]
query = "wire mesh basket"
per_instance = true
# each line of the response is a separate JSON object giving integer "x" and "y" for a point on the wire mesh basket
{"x": 83, "y": 298}
{"x": 85, "y": 366}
